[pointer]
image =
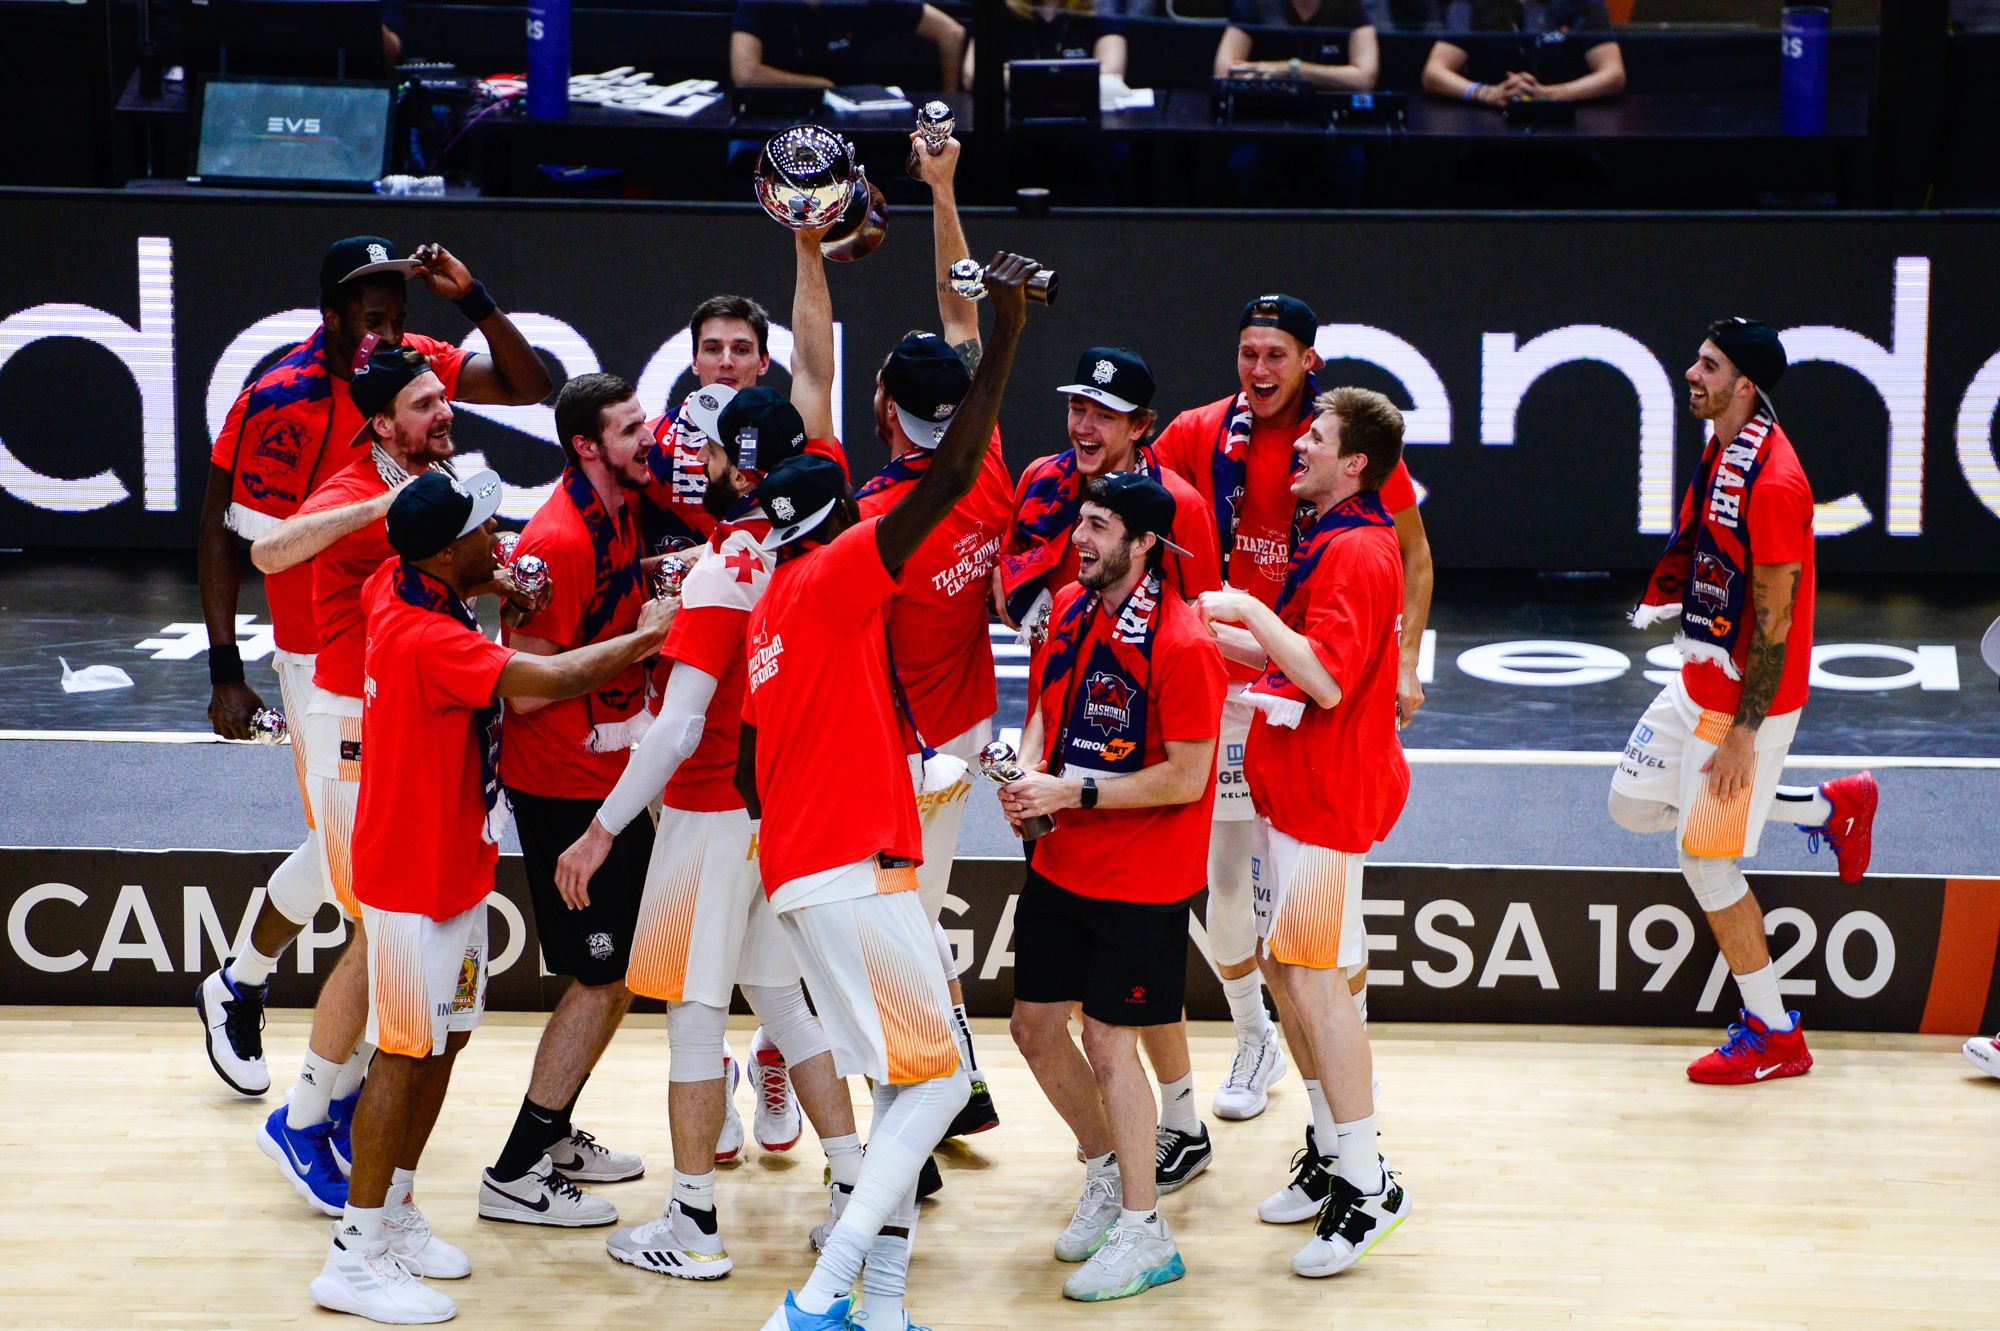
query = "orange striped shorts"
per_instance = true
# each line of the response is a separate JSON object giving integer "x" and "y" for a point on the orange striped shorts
{"x": 1662, "y": 763}
{"x": 704, "y": 926}
{"x": 426, "y": 978}
{"x": 333, "y": 783}
{"x": 1308, "y": 902}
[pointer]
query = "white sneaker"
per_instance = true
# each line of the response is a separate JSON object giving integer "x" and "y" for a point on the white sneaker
{"x": 412, "y": 1243}
{"x": 729, "y": 1145}
{"x": 837, "y": 1197}
{"x": 1256, "y": 1066}
{"x": 1131, "y": 1260}
{"x": 232, "y": 1020}
{"x": 379, "y": 1287}
{"x": 542, "y": 1197}
{"x": 778, "y": 1123}
{"x": 584, "y": 1161}
{"x": 1301, "y": 1199}
{"x": 1103, "y": 1198}
{"x": 1984, "y": 1054}
{"x": 674, "y": 1245}
{"x": 1350, "y": 1225}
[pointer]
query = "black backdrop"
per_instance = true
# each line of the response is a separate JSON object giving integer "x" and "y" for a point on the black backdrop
{"x": 1461, "y": 292}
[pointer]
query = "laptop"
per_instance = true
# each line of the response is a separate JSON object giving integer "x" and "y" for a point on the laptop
{"x": 1053, "y": 92}
{"x": 302, "y": 133}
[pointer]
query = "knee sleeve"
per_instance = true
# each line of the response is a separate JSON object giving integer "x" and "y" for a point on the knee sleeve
{"x": 781, "y": 1009}
{"x": 297, "y": 886}
{"x": 1231, "y": 918}
{"x": 695, "y": 1041}
{"x": 1642, "y": 816}
{"x": 1717, "y": 884}
{"x": 946, "y": 955}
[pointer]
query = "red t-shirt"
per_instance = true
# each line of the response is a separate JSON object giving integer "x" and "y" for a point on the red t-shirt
{"x": 338, "y": 572}
{"x": 1339, "y": 779}
{"x": 833, "y": 769}
{"x": 1780, "y": 507}
{"x": 937, "y": 622}
{"x": 290, "y": 430}
{"x": 419, "y": 829}
{"x": 1156, "y": 855}
{"x": 708, "y": 635}
{"x": 547, "y": 751}
{"x": 1194, "y": 530}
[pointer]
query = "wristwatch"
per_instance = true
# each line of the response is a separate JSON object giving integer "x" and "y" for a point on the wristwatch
{"x": 1295, "y": 65}
{"x": 1090, "y": 792}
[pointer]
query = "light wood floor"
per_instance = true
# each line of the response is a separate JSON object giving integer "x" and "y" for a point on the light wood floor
{"x": 1560, "y": 1178}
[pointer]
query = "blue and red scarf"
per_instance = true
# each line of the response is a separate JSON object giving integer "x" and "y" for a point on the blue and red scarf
{"x": 617, "y": 585}
{"x": 1282, "y": 702}
{"x": 426, "y": 592}
{"x": 1704, "y": 574}
{"x": 676, "y": 463}
{"x": 1094, "y": 683}
{"x": 904, "y": 467}
{"x": 1040, "y": 534}
{"x": 1231, "y": 471}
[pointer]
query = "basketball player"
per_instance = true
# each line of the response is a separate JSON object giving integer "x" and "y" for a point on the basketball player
{"x": 1123, "y": 709}
{"x": 1327, "y": 656}
{"x": 1238, "y": 453}
{"x": 825, "y": 759}
{"x": 1706, "y": 757}
{"x": 426, "y": 836}
{"x": 290, "y": 430}
{"x": 1109, "y": 414}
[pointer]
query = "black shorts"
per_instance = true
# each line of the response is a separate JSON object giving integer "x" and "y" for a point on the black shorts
{"x": 594, "y": 943}
{"x": 1126, "y": 962}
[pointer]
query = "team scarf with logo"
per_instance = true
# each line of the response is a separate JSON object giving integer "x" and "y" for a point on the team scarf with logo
{"x": 675, "y": 463}
{"x": 1094, "y": 683}
{"x": 1040, "y": 534}
{"x": 1704, "y": 574}
{"x": 1231, "y": 471}
{"x": 904, "y": 467}
{"x": 281, "y": 439}
{"x": 1283, "y": 702}
{"x": 426, "y": 592}
{"x": 616, "y": 586}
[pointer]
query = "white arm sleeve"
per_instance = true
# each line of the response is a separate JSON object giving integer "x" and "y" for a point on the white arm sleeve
{"x": 674, "y": 736}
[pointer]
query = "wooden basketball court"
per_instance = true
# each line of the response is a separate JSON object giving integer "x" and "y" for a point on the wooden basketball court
{"x": 1561, "y": 1177}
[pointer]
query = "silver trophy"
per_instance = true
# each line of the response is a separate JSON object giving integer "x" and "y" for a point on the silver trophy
{"x": 531, "y": 575}
{"x": 968, "y": 279}
{"x": 1001, "y": 766}
{"x": 808, "y": 179}
{"x": 267, "y": 726}
{"x": 668, "y": 575}
{"x": 503, "y": 546}
{"x": 935, "y": 124}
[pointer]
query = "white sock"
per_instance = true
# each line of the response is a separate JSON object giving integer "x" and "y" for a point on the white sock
{"x": 253, "y": 967}
{"x": 402, "y": 1191}
{"x": 1177, "y": 1105}
{"x": 1807, "y": 806}
{"x": 1322, "y": 1119}
{"x": 1148, "y": 1219}
{"x": 353, "y": 1071}
{"x": 1760, "y": 997}
{"x": 1360, "y": 1161}
{"x": 361, "y": 1229}
{"x": 313, "y": 1091}
{"x": 1246, "y": 1006}
{"x": 886, "y": 1275}
{"x": 695, "y": 1192}
{"x": 961, "y": 1032}
{"x": 1102, "y": 1164}
{"x": 843, "y": 1157}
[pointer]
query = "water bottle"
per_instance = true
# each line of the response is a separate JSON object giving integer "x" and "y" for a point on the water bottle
{"x": 1802, "y": 81}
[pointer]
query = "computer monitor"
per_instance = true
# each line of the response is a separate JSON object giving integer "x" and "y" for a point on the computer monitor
{"x": 303, "y": 133}
{"x": 1053, "y": 92}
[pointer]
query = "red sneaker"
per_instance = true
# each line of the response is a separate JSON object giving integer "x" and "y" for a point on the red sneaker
{"x": 1752, "y": 1053}
{"x": 1851, "y": 829}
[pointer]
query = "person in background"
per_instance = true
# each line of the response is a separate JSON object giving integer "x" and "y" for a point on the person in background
{"x": 823, "y": 43}
{"x": 1061, "y": 30}
{"x": 1328, "y": 43}
{"x": 1565, "y": 53}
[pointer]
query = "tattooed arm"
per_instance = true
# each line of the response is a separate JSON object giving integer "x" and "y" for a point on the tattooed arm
{"x": 1773, "y": 590}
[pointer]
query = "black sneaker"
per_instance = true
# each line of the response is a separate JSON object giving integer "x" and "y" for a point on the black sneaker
{"x": 929, "y": 1182}
{"x": 978, "y": 1115}
{"x": 1178, "y": 1157}
{"x": 1350, "y": 1224}
{"x": 1302, "y": 1198}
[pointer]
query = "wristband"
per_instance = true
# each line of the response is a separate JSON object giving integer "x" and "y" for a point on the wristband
{"x": 225, "y": 664}
{"x": 1472, "y": 92}
{"x": 477, "y": 303}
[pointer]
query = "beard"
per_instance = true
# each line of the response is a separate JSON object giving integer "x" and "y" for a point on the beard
{"x": 1113, "y": 563}
{"x": 719, "y": 498}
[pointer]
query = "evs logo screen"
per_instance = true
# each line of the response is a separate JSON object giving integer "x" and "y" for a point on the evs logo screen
{"x": 293, "y": 131}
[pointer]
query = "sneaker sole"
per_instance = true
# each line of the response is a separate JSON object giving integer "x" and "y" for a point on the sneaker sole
{"x": 208, "y": 1047}
{"x": 1159, "y": 1275}
{"x": 715, "y": 1270}
{"x": 269, "y": 1146}
{"x": 333, "y": 1296}
{"x": 1236, "y": 1115}
{"x": 984, "y": 1125}
{"x": 490, "y": 1212}
{"x": 783, "y": 1145}
{"x": 1375, "y": 1243}
{"x": 1165, "y": 1188}
{"x": 1733, "y": 1079}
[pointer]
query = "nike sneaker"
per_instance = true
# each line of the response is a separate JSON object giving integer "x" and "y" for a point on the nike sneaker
{"x": 542, "y": 1196}
{"x": 790, "y": 1317}
{"x": 581, "y": 1157}
{"x": 341, "y": 1111}
{"x": 232, "y": 1021}
{"x": 1753, "y": 1052}
{"x": 305, "y": 1157}
{"x": 1850, "y": 830}
{"x": 729, "y": 1145}
{"x": 777, "y": 1123}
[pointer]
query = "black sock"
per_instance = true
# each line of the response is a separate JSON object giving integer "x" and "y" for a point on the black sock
{"x": 534, "y": 1129}
{"x": 564, "y": 1127}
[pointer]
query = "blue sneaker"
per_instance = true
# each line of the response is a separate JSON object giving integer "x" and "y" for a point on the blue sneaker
{"x": 790, "y": 1317}
{"x": 342, "y": 1112}
{"x": 306, "y": 1157}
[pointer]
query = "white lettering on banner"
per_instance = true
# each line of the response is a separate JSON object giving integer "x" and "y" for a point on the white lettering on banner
{"x": 247, "y": 350}
{"x": 17, "y": 927}
{"x": 1976, "y": 456}
{"x": 1382, "y": 977}
{"x": 1519, "y": 921}
{"x": 964, "y": 942}
{"x": 517, "y": 935}
{"x": 1002, "y": 951}
{"x": 1877, "y": 928}
{"x": 130, "y": 908}
{"x": 1429, "y": 935}
{"x": 1428, "y": 420}
{"x": 147, "y": 352}
{"x": 570, "y": 351}
{"x": 1932, "y": 669}
{"x": 199, "y": 921}
{"x": 313, "y": 939}
{"x": 1542, "y": 664}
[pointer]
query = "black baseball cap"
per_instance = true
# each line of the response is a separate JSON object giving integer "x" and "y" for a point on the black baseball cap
{"x": 386, "y": 372}
{"x": 1114, "y": 376}
{"x": 759, "y": 428}
{"x": 797, "y": 495}
{"x": 1143, "y": 503}
{"x": 927, "y": 381}
{"x": 1287, "y": 314}
{"x": 1753, "y": 347}
{"x": 436, "y": 509}
{"x": 358, "y": 257}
